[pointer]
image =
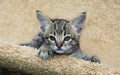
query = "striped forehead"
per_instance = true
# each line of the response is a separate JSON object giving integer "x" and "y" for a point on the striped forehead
{"x": 60, "y": 25}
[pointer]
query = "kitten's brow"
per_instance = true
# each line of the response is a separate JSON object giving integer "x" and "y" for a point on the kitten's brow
{"x": 60, "y": 25}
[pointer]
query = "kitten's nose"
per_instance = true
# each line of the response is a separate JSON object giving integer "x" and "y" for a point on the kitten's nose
{"x": 59, "y": 44}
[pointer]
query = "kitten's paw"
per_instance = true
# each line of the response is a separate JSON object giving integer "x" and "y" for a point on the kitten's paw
{"x": 86, "y": 58}
{"x": 45, "y": 54}
{"x": 94, "y": 59}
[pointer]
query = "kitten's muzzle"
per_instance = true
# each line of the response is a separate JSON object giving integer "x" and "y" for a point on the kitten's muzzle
{"x": 59, "y": 44}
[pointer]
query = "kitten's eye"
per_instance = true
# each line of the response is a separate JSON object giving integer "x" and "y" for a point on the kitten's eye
{"x": 67, "y": 38}
{"x": 52, "y": 38}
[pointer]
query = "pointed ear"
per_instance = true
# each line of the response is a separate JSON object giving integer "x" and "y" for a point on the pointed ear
{"x": 78, "y": 23}
{"x": 45, "y": 21}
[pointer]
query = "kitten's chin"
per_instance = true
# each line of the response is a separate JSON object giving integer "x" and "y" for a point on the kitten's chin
{"x": 59, "y": 51}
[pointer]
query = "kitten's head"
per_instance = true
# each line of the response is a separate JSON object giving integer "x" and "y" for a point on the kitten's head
{"x": 62, "y": 36}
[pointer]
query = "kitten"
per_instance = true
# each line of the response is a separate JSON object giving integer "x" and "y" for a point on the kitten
{"x": 60, "y": 36}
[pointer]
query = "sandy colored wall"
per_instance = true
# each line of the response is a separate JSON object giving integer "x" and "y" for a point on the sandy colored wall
{"x": 100, "y": 37}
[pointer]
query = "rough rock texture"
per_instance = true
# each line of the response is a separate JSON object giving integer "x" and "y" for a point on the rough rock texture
{"x": 101, "y": 36}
